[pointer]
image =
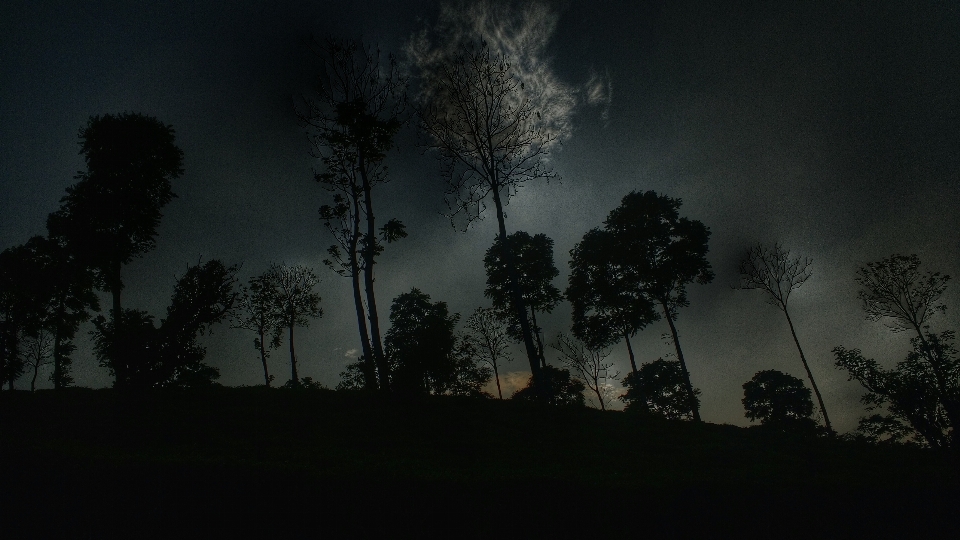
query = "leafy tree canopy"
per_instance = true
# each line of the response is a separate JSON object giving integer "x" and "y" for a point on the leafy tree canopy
{"x": 658, "y": 387}
{"x": 561, "y": 388}
{"x": 533, "y": 259}
{"x": 776, "y": 398}
{"x": 421, "y": 343}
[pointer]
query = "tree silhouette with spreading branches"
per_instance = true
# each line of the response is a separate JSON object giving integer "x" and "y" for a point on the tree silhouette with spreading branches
{"x": 295, "y": 303}
{"x": 352, "y": 119}
{"x": 110, "y": 216}
{"x": 490, "y": 337}
{"x": 255, "y": 311}
{"x": 490, "y": 139}
{"x": 776, "y": 272}
{"x": 588, "y": 365}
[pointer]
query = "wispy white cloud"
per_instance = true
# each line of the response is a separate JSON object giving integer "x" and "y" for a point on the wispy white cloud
{"x": 351, "y": 353}
{"x": 521, "y": 33}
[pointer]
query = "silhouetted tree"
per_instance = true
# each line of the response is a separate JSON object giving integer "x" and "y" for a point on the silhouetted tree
{"x": 923, "y": 390}
{"x": 608, "y": 304}
{"x": 111, "y": 214}
{"x": 911, "y": 392}
{"x": 15, "y": 311}
{"x": 169, "y": 355}
{"x": 354, "y": 378}
{"x": 780, "y": 401}
{"x": 491, "y": 340}
{"x": 776, "y": 272}
{"x": 559, "y": 388}
{"x": 39, "y": 348}
{"x": 660, "y": 253}
{"x": 256, "y": 312}
{"x": 47, "y": 297}
{"x": 71, "y": 290}
{"x": 421, "y": 343}
{"x": 295, "y": 303}
{"x": 660, "y": 388}
{"x": 491, "y": 139}
{"x": 533, "y": 258}
{"x": 470, "y": 375}
{"x": 352, "y": 119}
{"x": 588, "y": 365}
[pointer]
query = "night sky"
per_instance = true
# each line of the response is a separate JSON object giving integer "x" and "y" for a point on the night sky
{"x": 830, "y": 127}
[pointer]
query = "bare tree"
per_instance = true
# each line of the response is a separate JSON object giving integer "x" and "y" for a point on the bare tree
{"x": 39, "y": 348}
{"x": 776, "y": 272}
{"x": 491, "y": 140}
{"x": 489, "y": 331}
{"x": 588, "y": 365}
{"x": 353, "y": 117}
{"x": 295, "y": 303}
{"x": 895, "y": 290}
{"x": 255, "y": 311}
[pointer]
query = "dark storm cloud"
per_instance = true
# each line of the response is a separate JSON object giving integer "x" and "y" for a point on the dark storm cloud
{"x": 830, "y": 127}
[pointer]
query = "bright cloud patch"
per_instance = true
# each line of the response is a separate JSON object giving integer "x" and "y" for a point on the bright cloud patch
{"x": 521, "y": 33}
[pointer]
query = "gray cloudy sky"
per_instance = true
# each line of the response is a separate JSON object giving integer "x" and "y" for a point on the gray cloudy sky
{"x": 830, "y": 127}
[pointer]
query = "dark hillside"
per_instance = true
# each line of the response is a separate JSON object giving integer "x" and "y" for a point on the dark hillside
{"x": 99, "y": 463}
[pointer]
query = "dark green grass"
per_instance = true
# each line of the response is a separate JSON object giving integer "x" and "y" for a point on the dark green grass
{"x": 368, "y": 465}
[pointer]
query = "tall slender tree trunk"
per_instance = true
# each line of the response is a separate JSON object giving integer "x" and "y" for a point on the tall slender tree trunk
{"x": 119, "y": 363}
{"x": 57, "y": 336}
{"x": 370, "y": 373}
{"x": 596, "y": 390}
{"x": 496, "y": 374}
{"x": 694, "y": 407}
{"x": 518, "y": 305}
{"x": 368, "y": 257}
{"x": 263, "y": 359}
{"x": 37, "y": 359}
{"x": 813, "y": 383}
{"x": 293, "y": 361}
{"x": 536, "y": 332}
{"x": 633, "y": 360}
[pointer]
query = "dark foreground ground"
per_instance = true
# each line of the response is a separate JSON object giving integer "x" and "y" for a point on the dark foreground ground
{"x": 247, "y": 462}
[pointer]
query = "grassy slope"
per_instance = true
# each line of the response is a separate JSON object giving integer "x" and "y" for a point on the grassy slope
{"x": 322, "y": 460}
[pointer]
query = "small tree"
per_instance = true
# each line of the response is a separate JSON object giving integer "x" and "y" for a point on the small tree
{"x": 659, "y": 387}
{"x": 45, "y": 294}
{"x": 168, "y": 355}
{"x": 255, "y": 311}
{"x": 352, "y": 120}
{"x": 778, "y": 400}
{"x": 776, "y": 272}
{"x": 295, "y": 303}
{"x": 588, "y": 365}
{"x": 533, "y": 257}
{"x": 421, "y": 344}
{"x": 470, "y": 375}
{"x": 490, "y": 338}
{"x": 561, "y": 389}
{"x": 39, "y": 349}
